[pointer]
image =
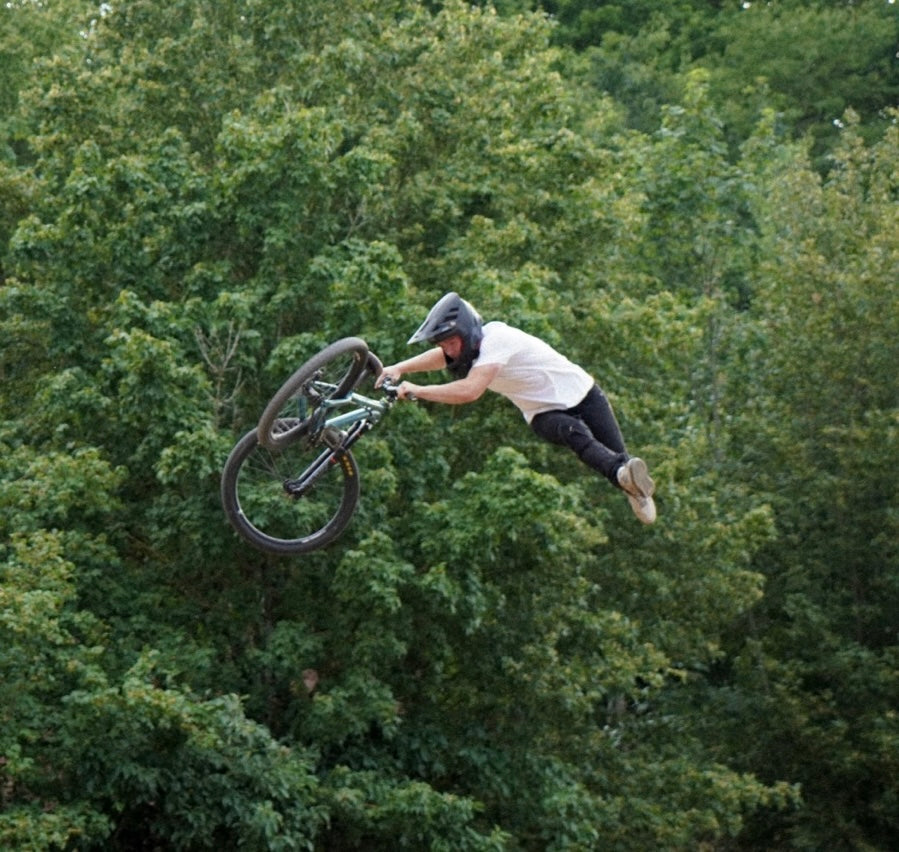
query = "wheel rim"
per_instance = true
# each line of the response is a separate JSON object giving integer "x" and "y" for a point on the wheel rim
{"x": 272, "y": 519}
{"x": 303, "y": 400}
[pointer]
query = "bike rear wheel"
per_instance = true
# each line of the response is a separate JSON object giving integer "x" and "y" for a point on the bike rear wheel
{"x": 299, "y": 403}
{"x": 257, "y": 499}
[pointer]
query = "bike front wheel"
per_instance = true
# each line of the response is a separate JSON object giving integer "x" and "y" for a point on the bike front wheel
{"x": 300, "y": 402}
{"x": 260, "y": 501}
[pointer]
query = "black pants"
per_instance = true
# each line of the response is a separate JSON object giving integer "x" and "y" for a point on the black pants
{"x": 590, "y": 430}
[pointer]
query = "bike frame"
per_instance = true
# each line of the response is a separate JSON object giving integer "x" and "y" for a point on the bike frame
{"x": 356, "y": 422}
{"x": 371, "y": 410}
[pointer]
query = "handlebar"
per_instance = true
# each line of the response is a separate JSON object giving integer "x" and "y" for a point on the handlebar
{"x": 391, "y": 387}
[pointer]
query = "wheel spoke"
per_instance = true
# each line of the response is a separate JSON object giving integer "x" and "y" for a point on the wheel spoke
{"x": 263, "y": 510}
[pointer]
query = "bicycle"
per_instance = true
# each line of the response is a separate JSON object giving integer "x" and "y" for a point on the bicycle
{"x": 291, "y": 484}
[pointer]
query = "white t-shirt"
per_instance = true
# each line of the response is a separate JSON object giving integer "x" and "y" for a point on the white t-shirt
{"x": 532, "y": 374}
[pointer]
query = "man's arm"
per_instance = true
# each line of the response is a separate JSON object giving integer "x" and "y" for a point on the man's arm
{"x": 469, "y": 389}
{"x": 433, "y": 359}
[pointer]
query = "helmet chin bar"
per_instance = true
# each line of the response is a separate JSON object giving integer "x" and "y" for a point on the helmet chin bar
{"x": 460, "y": 367}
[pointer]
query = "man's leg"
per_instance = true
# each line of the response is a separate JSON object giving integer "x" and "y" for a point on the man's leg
{"x": 591, "y": 430}
{"x": 632, "y": 475}
{"x": 596, "y": 412}
{"x": 569, "y": 430}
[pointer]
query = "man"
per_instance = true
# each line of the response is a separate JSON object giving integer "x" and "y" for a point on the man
{"x": 561, "y": 402}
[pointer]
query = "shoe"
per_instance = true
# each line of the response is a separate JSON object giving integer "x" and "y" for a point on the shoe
{"x": 634, "y": 479}
{"x": 644, "y": 508}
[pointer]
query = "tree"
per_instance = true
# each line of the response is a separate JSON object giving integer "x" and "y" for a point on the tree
{"x": 815, "y": 672}
{"x": 494, "y": 654}
{"x": 815, "y": 61}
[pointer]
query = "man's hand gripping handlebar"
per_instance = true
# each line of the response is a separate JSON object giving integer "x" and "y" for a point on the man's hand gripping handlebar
{"x": 393, "y": 387}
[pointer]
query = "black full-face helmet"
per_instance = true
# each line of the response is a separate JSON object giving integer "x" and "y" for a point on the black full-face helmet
{"x": 453, "y": 315}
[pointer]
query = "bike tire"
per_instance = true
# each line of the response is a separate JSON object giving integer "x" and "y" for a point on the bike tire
{"x": 341, "y": 365}
{"x": 259, "y": 508}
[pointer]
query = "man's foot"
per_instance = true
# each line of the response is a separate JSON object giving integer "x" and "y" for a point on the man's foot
{"x": 634, "y": 479}
{"x": 644, "y": 508}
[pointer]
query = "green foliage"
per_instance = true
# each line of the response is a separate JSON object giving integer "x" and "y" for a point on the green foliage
{"x": 815, "y": 61}
{"x": 29, "y": 32}
{"x": 195, "y": 773}
{"x": 831, "y": 308}
{"x": 48, "y": 648}
{"x": 812, "y": 60}
{"x": 371, "y": 812}
{"x": 496, "y": 655}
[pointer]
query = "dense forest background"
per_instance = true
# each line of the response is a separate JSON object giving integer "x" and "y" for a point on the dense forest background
{"x": 695, "y": 200}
